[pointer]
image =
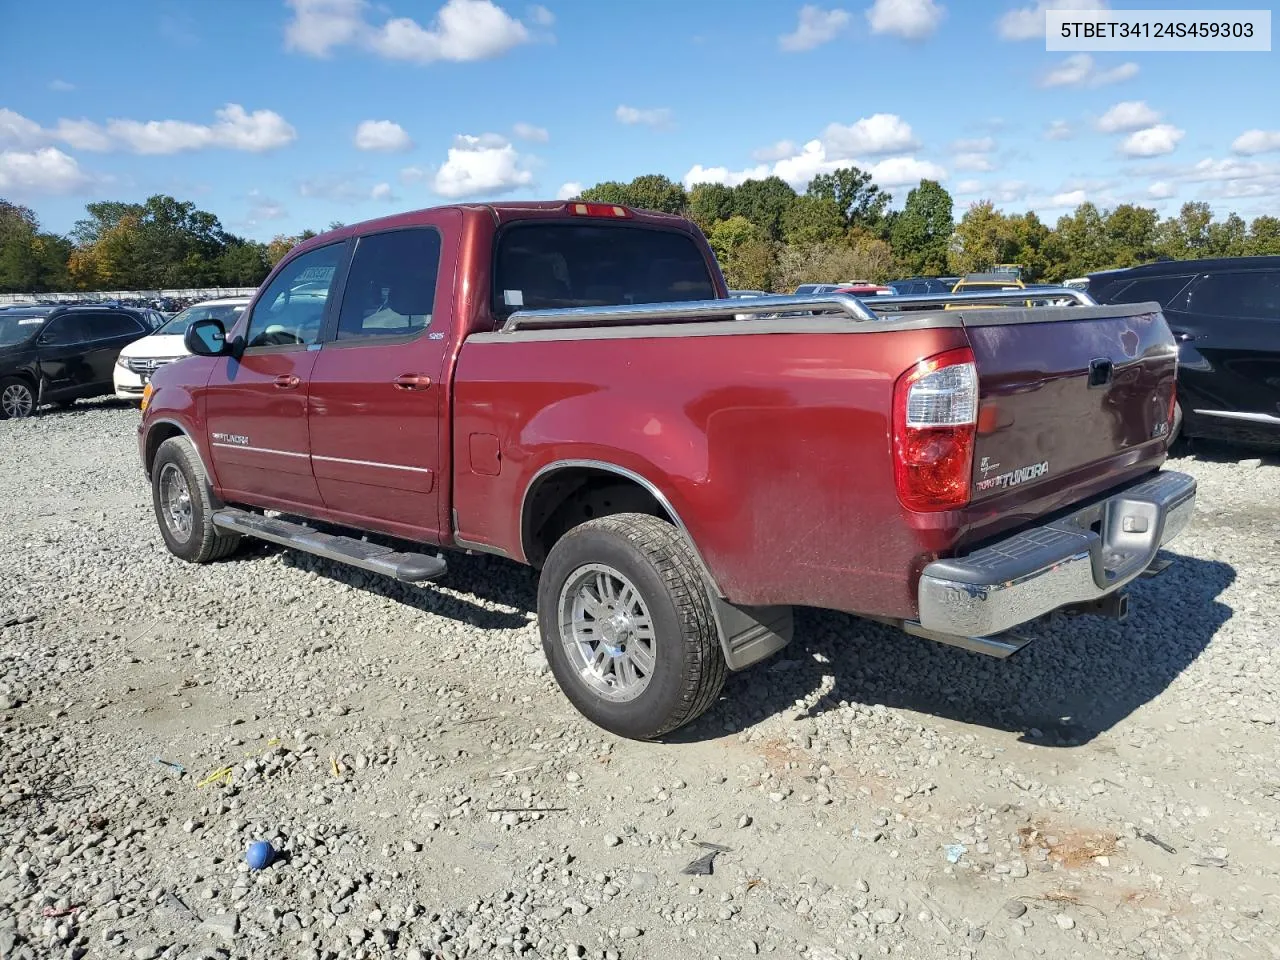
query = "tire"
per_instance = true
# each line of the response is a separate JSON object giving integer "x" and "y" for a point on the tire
{"x": 180, "y": 489}
{"x": 17, "y": 399}
{"x": 630, "y": 687}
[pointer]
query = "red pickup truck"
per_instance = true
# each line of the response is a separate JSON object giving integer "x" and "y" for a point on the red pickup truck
{"x": 568, "y": 385}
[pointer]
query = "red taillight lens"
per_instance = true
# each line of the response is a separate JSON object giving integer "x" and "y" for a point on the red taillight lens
{"x": 598, "y": 210}
{"x": 935, "y": 416}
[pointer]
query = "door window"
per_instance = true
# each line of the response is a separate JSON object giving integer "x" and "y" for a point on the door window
{"x": 290, "y": 312}
{"x": 109, "y": 326}
{"x": 391, "y": 287}
{"x": 1254, "y": 294}
{"x": 1162, "y": 290}
{"x": 66, "y": 329}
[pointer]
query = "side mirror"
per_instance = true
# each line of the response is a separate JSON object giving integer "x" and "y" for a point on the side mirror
{"x": 206, "y": 338}
{"x": 46, "y": 339}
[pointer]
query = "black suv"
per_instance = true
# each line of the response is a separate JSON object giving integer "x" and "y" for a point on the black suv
{"x": 1225, "y": 315}
{"x": 52, "y": 354}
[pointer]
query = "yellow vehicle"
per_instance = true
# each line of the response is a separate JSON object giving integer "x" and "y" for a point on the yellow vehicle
{"x": 985, "y": 283}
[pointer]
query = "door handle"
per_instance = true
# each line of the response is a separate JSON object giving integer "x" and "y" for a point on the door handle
{"x": 412, "y": 381}
{"x": 286, "y": 381}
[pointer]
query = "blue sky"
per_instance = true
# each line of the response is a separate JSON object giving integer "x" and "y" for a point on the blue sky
{"x": 283, "y": 114}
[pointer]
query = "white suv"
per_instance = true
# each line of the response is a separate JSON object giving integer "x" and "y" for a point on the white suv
{"x": 140, "y": 359}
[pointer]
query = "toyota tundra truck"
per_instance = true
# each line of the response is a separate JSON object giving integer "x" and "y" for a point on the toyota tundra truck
{"x": 569, "y": 385}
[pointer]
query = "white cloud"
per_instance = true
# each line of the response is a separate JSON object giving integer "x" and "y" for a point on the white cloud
{"x": 485, "y": 165}
{"x": 527, "y": 131}
{"x": 44, "y": 171}
{"x": 262, "y": 207}
{"x": 462, "y": 30}
{"x": 541, "y": 16}
{"x": 979, "y": 162}
{"x": 381, "y": 191}
{"x": 909, "y": 19}
{"x": 1153, "y": 141}
{"x": 382, "y": 135}
{"x": 569, "y": 190}
{"x": 1028, "y": 23}
{"x": 652, "y": 117}
{"x": 1127, "y": 115}
{"x": 61, "y": 86}
{"x": 235, "y": 129}
{"x": 411, "y": 175}
{"x": 816, "y": 27}
{"x": 799, "y": 169}
{"x": 1071, "y": 198}
{"x": 1256, "y": 141}
{"x": 905, "y": 171}
{"x": 81, "y": 134}
{"x": 18, "y": 131}
{"x": 1160, "y": 190}
{"x": 779, "y": 151}
{"x": 1059, "y": 130}
{"x": 1080, "y": 70}
{"x": 967, "y": 188}
{"x": 730, "y": 178}
{"x": 878, "y": 133}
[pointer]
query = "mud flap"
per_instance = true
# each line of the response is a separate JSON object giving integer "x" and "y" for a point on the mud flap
{"x": 750, "y": 634}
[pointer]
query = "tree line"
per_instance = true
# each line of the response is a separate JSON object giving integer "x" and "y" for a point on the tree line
{"x": 161, "y": 243}
{"x": 766, "y": 235}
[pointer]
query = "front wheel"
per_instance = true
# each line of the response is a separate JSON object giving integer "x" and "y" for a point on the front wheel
{"x": 184, "y": 505}
{"x": 627, "y": 625}
{"x": 17, "y": 399}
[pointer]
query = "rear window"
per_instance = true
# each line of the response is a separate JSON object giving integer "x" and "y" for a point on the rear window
{"x": 543, "y": 266}
{"x": 1162, "y": 290}
{"x": 1255, "y": 294}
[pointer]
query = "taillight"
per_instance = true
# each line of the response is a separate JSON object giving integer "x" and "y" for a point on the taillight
{"x": 598, "y": 210}
{"x": 935, "y": 416}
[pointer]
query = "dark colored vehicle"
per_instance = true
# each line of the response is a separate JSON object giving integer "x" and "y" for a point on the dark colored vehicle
{"x": 568, "y": 385}
{"x": 1225, "y": 316}
{"x": 60, "y": 355}
{"x": 918, "y": 285}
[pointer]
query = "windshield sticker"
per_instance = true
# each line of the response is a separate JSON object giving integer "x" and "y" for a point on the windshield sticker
{"x": 31, "y": 323}
{"x": 513, "y": 298}
{"x": 315, "y": 275}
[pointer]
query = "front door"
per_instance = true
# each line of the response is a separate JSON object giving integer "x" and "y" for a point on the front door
{"x": 62, "y": 349}
{"x": 256, "y": 403}
{"x": 109, "y": 332}
{"x": 376, "y": 394}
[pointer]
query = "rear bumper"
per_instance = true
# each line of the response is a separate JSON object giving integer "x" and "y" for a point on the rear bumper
{"x": 1077, "y": 559}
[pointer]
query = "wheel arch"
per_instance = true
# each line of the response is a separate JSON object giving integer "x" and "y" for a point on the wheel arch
{"x": 165, "y": 429}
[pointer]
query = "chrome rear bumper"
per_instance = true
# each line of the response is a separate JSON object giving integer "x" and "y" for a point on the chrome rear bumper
{"x": 1074, "y": 560}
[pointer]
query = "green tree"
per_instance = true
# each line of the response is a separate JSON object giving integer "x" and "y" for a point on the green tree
{"x": 764, "y": 203}
{"x": 1228, "y": 238}
{"x": 243, "y": 263}
{"x": 1082, "y": 239}
{"x": 812, "y": 220}
{"x": 1130, "y": 235}
{"x": 744, "y": 253}
{"x": 859, "y": 200}
{"x": 1185, "y": 236}
{"x": 709, "y": 203}
{"x": 651, "y": 191}
{"x": 921, "y": 234}
{"x": 30, "y": 261}
{"x": 1264, "y": 236}
{"x": 978, "y": 241}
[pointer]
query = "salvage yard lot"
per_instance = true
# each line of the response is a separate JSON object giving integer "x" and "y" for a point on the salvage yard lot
{"x": 1114, "y": 789}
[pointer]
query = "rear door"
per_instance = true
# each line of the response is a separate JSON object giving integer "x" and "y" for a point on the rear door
{"x": 1062, "y": 401}
{"x": 376, "y": 395}
{"x": 256, "y": 404}
{"x": 1230, "y": 331}
{"x": 110, "y": 331}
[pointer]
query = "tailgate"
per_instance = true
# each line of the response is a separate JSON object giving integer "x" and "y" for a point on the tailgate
{"x": 1067, "y": 391}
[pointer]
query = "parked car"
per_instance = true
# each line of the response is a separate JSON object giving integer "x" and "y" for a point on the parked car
{"x": 747, "y": 294}
{"x": 138, "y": 361}
{"x": 1225, "y": 315}
{"x": 59, "y": 355}
{"x": 922, "y": 285}
{"x": 813, "y": 289}
{"x": 866, "y": 290}
{"x": 681, "y": 478}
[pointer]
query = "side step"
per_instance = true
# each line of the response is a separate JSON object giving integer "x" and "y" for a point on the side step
{"x": 408, "y": 567}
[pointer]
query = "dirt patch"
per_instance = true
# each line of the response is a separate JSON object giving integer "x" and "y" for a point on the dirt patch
{"x": 1073, "y": 849}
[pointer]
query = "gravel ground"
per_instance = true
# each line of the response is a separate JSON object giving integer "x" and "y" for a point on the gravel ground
{"x": 1113, "y": 790}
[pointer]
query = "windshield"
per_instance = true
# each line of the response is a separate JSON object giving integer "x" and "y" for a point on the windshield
{"x": 18, "y": 327}
{"x": 226, "y": 312}
{"x": 552, "y": 265}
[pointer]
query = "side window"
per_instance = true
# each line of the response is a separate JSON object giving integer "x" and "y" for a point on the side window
{"x": 391, "y": 287}
{"x": 290, "y": 311}
{"x": 104, "y": 326}
{"x": 1255, "y": 294}
{"x": 66, "y": 329}
{"x": 1162, "y": 290}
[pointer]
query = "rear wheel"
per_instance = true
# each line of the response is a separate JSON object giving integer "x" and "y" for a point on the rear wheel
{"x": 184, "y": 505}
{"x": 17, "y": 399}
{"x": 627, "y": 625}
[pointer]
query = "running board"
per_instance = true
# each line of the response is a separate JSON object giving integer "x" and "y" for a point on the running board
{"x": 407, "y": 567}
